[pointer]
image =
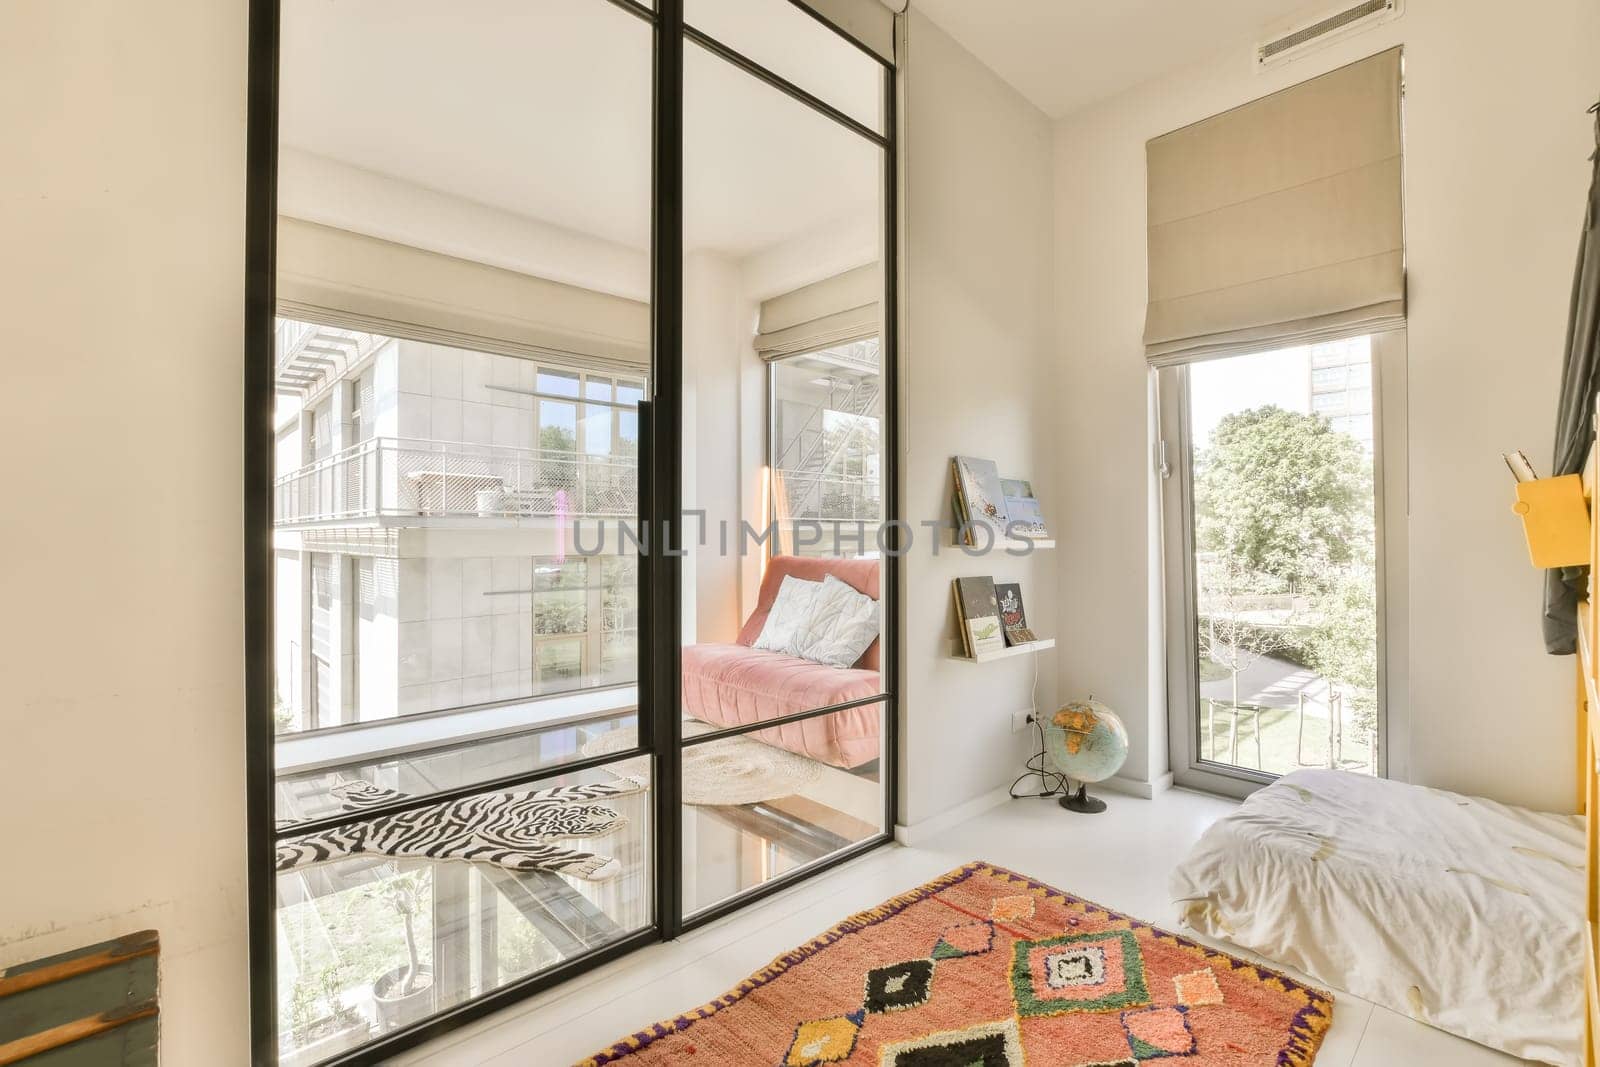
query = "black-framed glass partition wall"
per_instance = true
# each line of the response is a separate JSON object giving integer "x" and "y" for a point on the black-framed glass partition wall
{"x": 570, "y": 602}
{"x": 783, "y": 236}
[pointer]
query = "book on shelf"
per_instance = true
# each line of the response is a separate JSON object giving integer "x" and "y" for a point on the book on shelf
{"x": 958, "y": 506}
{"x": 1023, "y": 508}
{"x": 978, "y": 612}
{"x": 961, "y": 620}
{"x": 979, "y": 496}
{"x": 1013, "y": 620}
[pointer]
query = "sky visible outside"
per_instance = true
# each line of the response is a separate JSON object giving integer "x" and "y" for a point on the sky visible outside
{"x": 1220, "y": 387}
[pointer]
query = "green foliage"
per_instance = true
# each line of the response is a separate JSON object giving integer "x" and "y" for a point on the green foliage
{"x": 1343, "y": 645}
{"x": 1284, "y": 531}
{"x": 332, "y": 984}
{"x": 521, "y": 949}
{"x": 408, "y": 895}
{"x": 558, "y": 439}
{"x": 302, "y": 1008}
{"x": 282, "y": 716}
{"x": 1228, "y": 636}
{"x": 560, "y": 599}
{"x": 353, "y": 934}
{"x": 1282, "y": 496}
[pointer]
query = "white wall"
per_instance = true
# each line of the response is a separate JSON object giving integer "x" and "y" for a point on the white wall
{"x": 1496, "y": 149}
{"x": 121, "y": 545}
{"x": 718, "y": 325}
{"x": 979, "y": 379}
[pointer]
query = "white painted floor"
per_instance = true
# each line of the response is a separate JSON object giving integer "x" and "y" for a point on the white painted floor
{"x": 1120, "y": 859}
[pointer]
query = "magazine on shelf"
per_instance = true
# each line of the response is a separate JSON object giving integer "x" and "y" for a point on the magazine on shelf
{"x": 1023, "y": 508}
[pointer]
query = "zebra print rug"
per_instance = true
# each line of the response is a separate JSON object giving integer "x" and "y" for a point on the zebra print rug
{"x": 515, "y": 830}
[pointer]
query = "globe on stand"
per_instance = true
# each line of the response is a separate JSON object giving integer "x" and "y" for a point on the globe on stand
{"x": 1087, "y": 742}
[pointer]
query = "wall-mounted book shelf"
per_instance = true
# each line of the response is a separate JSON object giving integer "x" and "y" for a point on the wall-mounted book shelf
{"x": 1002, "y": 544}
{"x": 1026, "y": 649}
{"x": 993, "y": 515}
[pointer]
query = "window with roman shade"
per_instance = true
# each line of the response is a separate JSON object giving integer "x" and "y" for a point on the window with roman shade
{"x": 348, "y": 279}
{"x": 833, "y": 311}
{"x": 1279, "y": 222}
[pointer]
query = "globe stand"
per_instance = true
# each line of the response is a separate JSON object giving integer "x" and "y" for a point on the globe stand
{"x": 1082, "y": 803}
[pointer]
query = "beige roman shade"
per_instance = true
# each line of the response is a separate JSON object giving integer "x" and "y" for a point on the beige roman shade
{"x": 869, "y": 21}
{"x": 833, "y": 311}
{"x": 349, "y": 279}
{"x": 1279, "y": 222}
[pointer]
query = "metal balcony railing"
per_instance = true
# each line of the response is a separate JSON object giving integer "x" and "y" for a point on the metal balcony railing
{"x": 828, "y": 497}
{"x": 390, "y": 477}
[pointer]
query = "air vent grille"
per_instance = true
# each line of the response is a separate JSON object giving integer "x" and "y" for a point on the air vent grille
{"x": 1307, "y": 36}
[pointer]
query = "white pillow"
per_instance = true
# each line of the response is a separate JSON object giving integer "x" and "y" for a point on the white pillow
{"x": 842, "y": 623}
{"x": 789, "y": 611}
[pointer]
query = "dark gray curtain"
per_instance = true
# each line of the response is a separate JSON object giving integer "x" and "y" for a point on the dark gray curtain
{"x": 1580, "y": 376}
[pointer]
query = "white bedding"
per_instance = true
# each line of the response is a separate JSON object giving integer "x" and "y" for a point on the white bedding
{"x": 1460, "y": 912}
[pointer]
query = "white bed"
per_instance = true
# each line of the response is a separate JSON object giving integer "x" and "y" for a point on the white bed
{"x": 1460, "y": 912}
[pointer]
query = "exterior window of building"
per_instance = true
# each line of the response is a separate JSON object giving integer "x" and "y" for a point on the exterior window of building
{"x": 560, "y": 623}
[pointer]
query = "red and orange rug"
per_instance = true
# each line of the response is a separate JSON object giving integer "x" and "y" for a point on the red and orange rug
{"x": 986, "y": 968}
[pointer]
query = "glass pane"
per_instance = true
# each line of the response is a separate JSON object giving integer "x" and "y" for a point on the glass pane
{"x": 827, "y": 460}
{"x": 374, "y": 941}
{"x": 474, "y": 171}
{"x": 597, "y": 440}
{"x": 558, "y": 665}
{"x": 763, "y": 804}
{"x": 1285, "y": 559}
{"x": 799, "y": 49}
{"x": 560, "y": 383}
{"x": 628, "y": 421}
{"x": 782, "y": 459}
{"x": 558, "y": 426}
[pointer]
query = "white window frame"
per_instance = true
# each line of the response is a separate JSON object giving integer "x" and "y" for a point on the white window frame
{"x": 1391, "y": 512}
{"x": 582, "y": 404}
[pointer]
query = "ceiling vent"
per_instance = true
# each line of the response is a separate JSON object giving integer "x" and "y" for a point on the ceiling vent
{"x": 1298, "y": 38}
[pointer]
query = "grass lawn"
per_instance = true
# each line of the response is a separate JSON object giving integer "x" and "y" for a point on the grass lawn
{"x": 1286, "y": 745}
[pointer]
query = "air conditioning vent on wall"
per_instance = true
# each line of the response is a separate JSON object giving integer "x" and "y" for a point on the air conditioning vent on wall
{"x": 1307, "y": 36}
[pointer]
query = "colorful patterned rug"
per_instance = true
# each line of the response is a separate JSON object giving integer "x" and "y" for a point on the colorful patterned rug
{"x": 986, "y": 968}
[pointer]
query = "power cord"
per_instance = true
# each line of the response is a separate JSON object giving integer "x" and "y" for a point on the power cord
{"x": 1054, "y": 784}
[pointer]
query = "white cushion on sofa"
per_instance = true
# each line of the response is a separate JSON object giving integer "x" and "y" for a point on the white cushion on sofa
{"x": 840, "y": 625}
{"x": 790, "y": 610}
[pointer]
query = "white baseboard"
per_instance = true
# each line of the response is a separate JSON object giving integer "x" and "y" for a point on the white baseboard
{"x": 1136, "y": 787}
{"x": 919, "y": 832}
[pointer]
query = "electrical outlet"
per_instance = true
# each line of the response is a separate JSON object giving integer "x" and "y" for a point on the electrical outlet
{"x": 1019, "y": 720}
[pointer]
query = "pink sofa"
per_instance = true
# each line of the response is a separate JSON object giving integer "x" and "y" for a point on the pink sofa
{"x": 731, "y": 685}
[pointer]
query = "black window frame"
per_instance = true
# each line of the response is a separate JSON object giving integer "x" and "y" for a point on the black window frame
{"x": 660, "y": 433}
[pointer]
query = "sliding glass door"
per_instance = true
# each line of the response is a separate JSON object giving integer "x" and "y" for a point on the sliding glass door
{"x": 535, "y": 290}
